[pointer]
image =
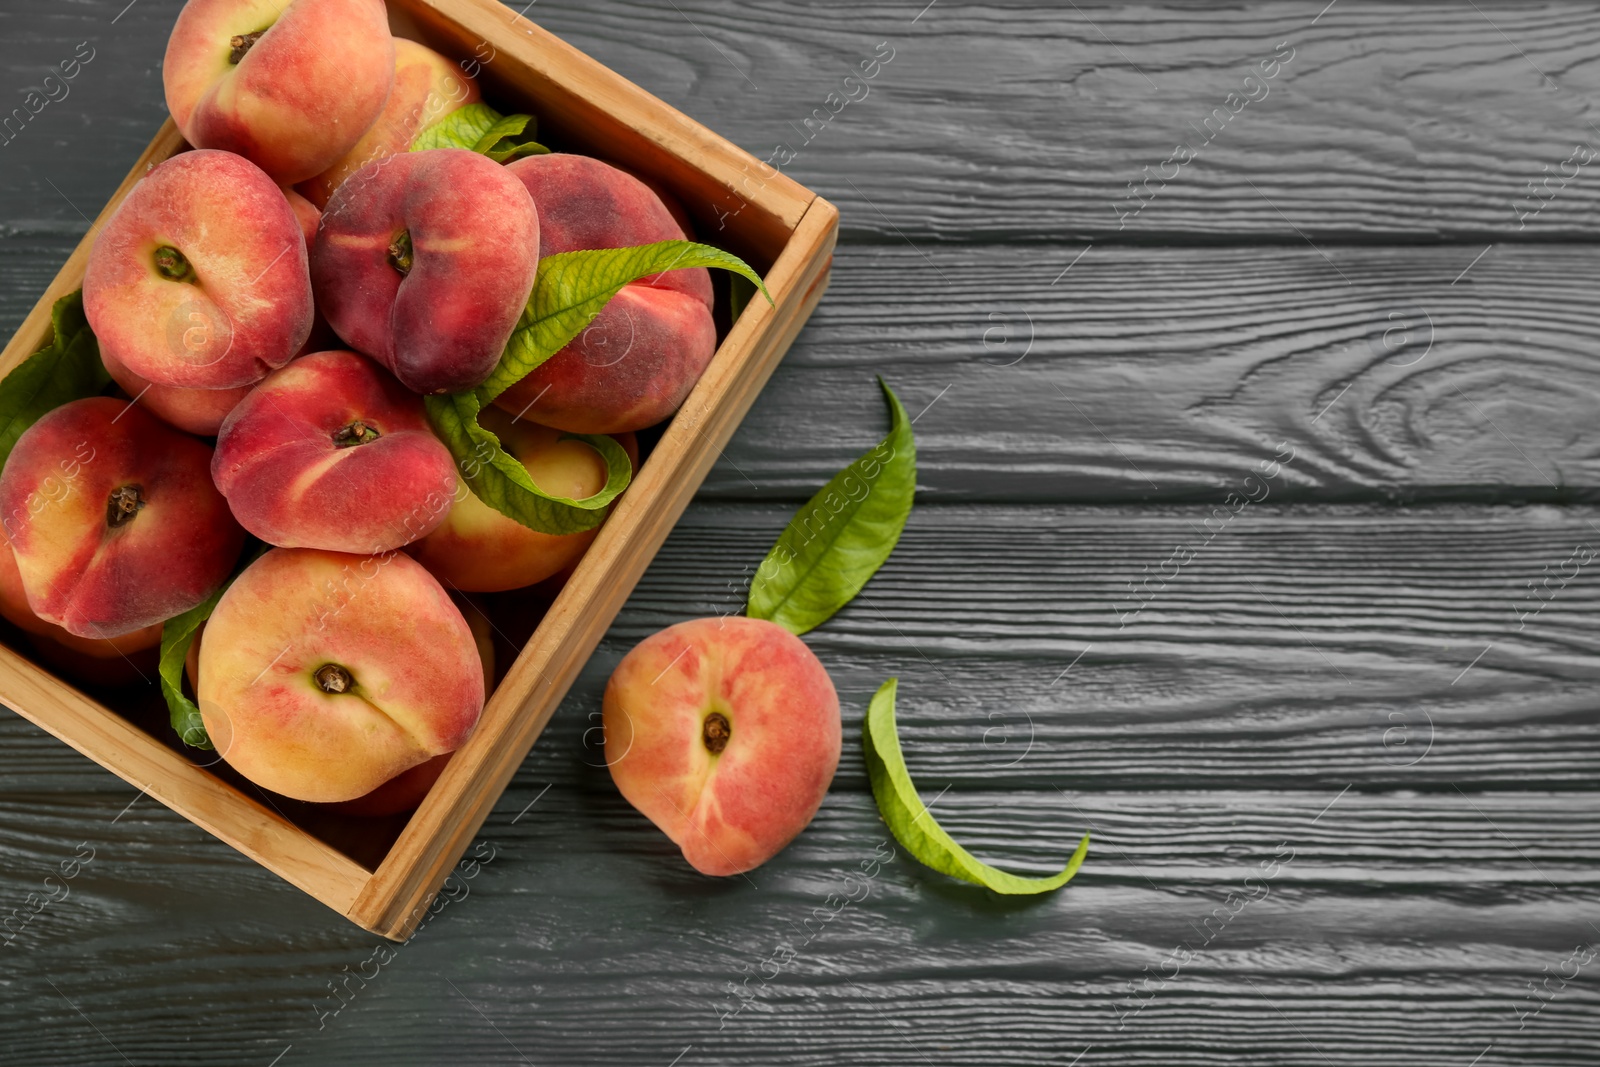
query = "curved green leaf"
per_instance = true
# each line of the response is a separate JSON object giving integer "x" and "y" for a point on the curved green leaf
{"x": 840, "y": 538}
{"x": 573, "y": 287}
{"x": 177, "y": 634}
{"x": 501, "y": 481}
{"x": 67, "y": 369}
{"x": 504, "y": 141}
{"x": 482, "y": 129}
{"x": 908, "y": 818}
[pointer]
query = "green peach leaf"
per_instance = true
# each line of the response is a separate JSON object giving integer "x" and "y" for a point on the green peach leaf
{"x": 462, "y": 128}
{"x": 573, "y": 287}
{"x": 501, "y": 481}
{"x": 67, "y": 369}
{"x": 911, "y": 824}
{"x": 177, "y": 634}
{"x": 570, "y": 290}
{"x": 841, "y": 536}
{"x": 517, "y": 137}
{"x": 480, "y": 128}
{"x": 512, "y": 151}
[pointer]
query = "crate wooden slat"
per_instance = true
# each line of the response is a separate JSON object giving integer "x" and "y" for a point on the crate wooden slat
{"x": 781, "y": 228}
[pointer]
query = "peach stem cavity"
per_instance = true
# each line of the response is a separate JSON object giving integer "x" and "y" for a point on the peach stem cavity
{"x": 173, "y": 265}
{"x": 400, "y": 255}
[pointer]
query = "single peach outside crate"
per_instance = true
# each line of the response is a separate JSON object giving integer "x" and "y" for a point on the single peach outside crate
{"x": 382, "y": 875}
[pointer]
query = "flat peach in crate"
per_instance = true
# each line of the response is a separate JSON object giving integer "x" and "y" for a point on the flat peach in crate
{"x": 489, "y": 74}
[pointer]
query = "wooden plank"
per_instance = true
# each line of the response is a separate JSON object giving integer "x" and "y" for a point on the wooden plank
{"x": 1030, "y": 121}
{"x": 1368, "y": 948}
{"x": 1299, "y": 649}
{"x": 1296, "y": 648}
{"x": 1168, "y": 374}
{"x": 1161, "y": 854}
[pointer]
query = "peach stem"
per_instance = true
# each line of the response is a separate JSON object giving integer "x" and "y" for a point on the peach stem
{"x": 241, "y": 45}
{"x": 332, "y": 678}
{"x": 716, "y": 732}
{"x": 123, "y": 505}
{"x": 357, "y": 433}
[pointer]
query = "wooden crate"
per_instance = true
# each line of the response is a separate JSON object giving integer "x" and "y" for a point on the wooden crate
{"x": 783, "y": 230}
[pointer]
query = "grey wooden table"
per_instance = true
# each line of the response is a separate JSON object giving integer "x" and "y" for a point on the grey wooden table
{"x": 1255, "y": 531}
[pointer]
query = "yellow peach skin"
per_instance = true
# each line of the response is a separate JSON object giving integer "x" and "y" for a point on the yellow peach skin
{"x": 324, "y": 675}
{"x": 478, "y": 550}
{"x": 291, "y": 87}
{"x": 427, "y": 87}
{"x": 724, "y": 733}
{"x": 407, "y": 789}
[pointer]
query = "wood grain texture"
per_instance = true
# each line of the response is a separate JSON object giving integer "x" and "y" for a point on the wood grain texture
{"x": 1358, "y": 949}
{"x": 1196, "y": 741}
{"x": 1280, "y": 655}
{"x": 1420, "y": 898}
{"x": 1168, "y": 374}
{"x": 1022, "y": 122}
{"x": 1028, "y": 122}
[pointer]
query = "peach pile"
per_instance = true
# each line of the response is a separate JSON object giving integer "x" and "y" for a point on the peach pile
{"x": 279, "y": 304}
